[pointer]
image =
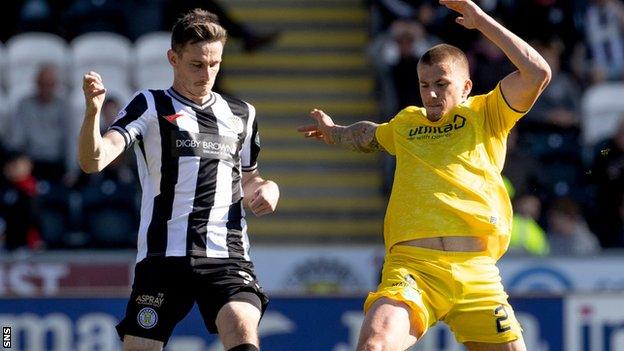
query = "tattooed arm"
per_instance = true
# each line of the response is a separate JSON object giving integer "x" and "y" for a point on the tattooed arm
{"x": 359, "y": 136}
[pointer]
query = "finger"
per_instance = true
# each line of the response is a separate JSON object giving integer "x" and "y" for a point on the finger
{"x": 317, "y": 115}
{"x": 460, "y": 20}
{"x": 255, "y": 200}
{"x": 92, "y": 77}
{"x": 312, "y": 134}
{"x": 262, "y": 210}
{"x": 308, "y": 128}
{"x": 98, "y": 92}
{"x": 95, "y": 74}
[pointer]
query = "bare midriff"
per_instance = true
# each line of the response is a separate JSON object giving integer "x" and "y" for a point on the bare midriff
{"x": 450, "y": 243}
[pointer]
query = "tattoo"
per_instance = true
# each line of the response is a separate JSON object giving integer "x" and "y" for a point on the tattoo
{"x": 359, "y": 136}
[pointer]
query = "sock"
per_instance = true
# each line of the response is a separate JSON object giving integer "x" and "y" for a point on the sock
{"x": 244, "y": 347}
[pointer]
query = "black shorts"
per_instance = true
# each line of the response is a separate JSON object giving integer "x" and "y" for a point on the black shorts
{"x": 166, "y": 288}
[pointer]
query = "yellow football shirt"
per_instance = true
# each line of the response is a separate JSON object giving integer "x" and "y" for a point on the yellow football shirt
{"x": 447, "y": 180}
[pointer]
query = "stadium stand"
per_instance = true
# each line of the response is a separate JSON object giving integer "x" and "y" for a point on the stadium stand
{"x": 152, "y": 68}
{"x": 26, "y": 52}
{"x": 109, "y": 54}
{"x": 603, "y": 107}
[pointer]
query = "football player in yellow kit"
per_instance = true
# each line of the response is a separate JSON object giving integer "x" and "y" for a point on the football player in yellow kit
{"x": 449, "y": 216}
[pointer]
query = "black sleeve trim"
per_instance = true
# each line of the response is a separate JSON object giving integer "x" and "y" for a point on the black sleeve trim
{"x": 507, "y": 103}
{"x": 124, "y": 133}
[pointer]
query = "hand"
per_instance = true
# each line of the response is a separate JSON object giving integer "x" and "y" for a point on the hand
{"x": 94, "y": 90}
{"x": 471, "y": 14}
{"x": 264, "y": 199}
{"x": 322, "y": 129}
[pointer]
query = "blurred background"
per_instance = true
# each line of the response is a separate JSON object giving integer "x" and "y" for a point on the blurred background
{"x": 67, "y": 239}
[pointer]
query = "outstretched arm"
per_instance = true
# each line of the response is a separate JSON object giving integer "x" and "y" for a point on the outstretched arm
{"x": 94, "y": 151}
{"x": 359, "y": 136}
{"x": 522, "y": 87}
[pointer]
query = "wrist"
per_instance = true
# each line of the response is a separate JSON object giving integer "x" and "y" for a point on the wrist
{"x": 335, "y": 134}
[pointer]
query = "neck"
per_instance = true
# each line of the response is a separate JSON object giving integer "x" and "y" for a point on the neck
{"x": 199, "y": 100}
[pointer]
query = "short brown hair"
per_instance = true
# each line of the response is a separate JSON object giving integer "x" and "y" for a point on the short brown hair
{"x": 195, "y": 26}
{"x": 445, "y": 52}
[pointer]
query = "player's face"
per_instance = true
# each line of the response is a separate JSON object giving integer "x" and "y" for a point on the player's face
{"x": 195, "y": 68}
{"x": 442, "y": 87}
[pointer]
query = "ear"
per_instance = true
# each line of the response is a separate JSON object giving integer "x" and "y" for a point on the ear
{"x": 467, "y": 88}
{"x": 172, "y": 57}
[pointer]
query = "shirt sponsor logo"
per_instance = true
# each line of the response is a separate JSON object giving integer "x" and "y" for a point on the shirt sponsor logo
{"x": 205, "y": 145}
{"x": 149, "y": 300}
{"x": 429, "y": 132}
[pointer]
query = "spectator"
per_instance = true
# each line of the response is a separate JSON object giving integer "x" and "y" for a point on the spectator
{"x": 522, "y": 176}
{"x": 551, "y": 133}
{"x": 558, "y": 105}
{"x": 395, "y": 55}
{"x": 604, "y": 21}
{"x": 110, "y": 198}
{"x": 527, "y": 236}
{"x": 18, "y": 214}
{"x": 522, "y": 170}
{"x": 43, "y": 129}
{"x": 549, "y": 19}
{"x": 489, "y": 63}
{"x": 568, "y": 232}
{"x": 607, "y": 177}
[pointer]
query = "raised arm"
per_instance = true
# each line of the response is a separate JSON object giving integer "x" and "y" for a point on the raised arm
{"x": 522, "y": 87}
{"x": 94, "y": 151}
{"x": 359, "y": 136}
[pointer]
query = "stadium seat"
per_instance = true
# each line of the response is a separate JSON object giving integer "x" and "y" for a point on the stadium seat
{"x": 27, "y": 51}
{"x": 153, "y": 70}
{"x": 602, "y": 107}
{"x": 109, "y": 213}
{"x": 109, "y": 54}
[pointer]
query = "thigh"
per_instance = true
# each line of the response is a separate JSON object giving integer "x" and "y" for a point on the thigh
{"x": 481, "y": 313}
{"x": 387, "y": 326}
{"x": 237, "y": 323}
{"x": 421, "y": 285}
{"x": 220, "y": 281}
{"x": 160, "y": 298}
{"x": 137, "y": 343}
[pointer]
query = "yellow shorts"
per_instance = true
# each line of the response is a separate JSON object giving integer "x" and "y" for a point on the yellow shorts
{"x": 463, "y": 289}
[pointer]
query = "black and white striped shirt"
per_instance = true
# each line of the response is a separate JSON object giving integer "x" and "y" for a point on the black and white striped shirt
{"x": 189, "y": 160}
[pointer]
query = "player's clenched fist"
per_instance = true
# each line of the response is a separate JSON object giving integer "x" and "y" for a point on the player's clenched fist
{"x": 94, "y": 90}
{"x": 264, "y": 200}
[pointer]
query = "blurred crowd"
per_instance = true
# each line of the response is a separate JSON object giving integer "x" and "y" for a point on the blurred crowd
{"x": 565, "y": 162}
{"x": 46, "y": 202}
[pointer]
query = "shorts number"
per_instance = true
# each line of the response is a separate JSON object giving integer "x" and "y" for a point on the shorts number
{"x": 501, "y": 319}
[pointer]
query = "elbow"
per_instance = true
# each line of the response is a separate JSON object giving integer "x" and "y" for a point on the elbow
{"x": 89, "y": 167}
{"x": 544, "y": 74}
